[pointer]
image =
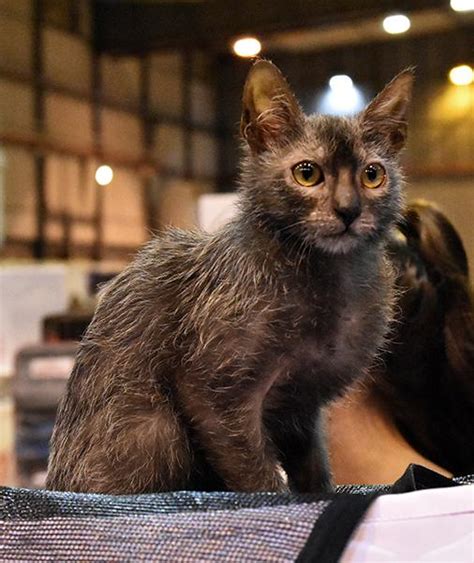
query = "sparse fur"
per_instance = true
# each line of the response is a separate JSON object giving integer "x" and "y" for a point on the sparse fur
{"x": 210, "y": 356}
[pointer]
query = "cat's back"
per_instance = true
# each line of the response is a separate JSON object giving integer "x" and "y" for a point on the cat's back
{"x": 176, "y": 276}
{"x": 168, "y": 259}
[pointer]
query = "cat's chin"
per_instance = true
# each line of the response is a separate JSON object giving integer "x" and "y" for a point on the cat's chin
{"x": 338, "y": 244}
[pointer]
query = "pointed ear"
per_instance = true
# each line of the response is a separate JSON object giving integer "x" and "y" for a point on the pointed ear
{"x": 387, "y": 113}
{"x": 270, "y": 110}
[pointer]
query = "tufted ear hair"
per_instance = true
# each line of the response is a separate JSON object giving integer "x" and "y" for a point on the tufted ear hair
{"x": 270, "y": 111}
{"x": 387, "y": 113}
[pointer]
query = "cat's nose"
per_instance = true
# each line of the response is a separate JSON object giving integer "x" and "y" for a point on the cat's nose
{"x": 346, "y": 200}
{"x": 348, "y": 214}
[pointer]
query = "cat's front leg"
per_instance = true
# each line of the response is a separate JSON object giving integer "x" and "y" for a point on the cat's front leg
{"x": 234, "y": 441}
{"x": 300, "y": 438}
{"x": 242, "y": 455}
{"x": 308, "y": 470}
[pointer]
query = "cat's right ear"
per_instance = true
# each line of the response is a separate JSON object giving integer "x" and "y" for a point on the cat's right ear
{"x": 387, "y": 113}
{"x": 270, "y": 110}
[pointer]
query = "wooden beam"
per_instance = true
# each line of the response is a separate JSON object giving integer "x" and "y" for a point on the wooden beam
{"x": 39, "y": 121}
{"x": 132, "y": 27}
{"x": 45, "y": 145}
{"x": 96, "y": 112}
{"x": 186, "y": 81}
{"x": 145, "y": 166}
{"x": 148, "y": 199}
{"x": 153, "y": 117}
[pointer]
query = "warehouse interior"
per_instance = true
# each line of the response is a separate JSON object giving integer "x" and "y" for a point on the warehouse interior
{"x": 118, "y": 119}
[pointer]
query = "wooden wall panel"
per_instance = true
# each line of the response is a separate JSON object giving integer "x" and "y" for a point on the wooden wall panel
{"x": 67, "y": 190}
{"x": 179, "y": 204}
{"x": 169, "y": 147}
{"x": 66, "y": 61}
{"x": 166, "y": 88}
{"x": 203, "y": 111}
{"x": 16, "y": 107}
{"x": 121, "y": 132}
{"x": 56, "y": 190}
{"x": 449, "y": 121}
{"x": 177, "y": 144}
{"x": 123, "y": 211}
{"x": 83, "y": 188}
{"x": 204, "y": 155}
{"x": 456, "y": 199}
{"x": 54, "y": 232}
{"x": 120, "y": 80}
{"x": 15, "y": 45}
{"x": 20, "y": 195}
{"x": 68, "y": 120}
{"x": 83, "y": 202}
{"x": 82, "y": 235}
{"x": 441, "y": 129}
{"x": 18, "y": 9}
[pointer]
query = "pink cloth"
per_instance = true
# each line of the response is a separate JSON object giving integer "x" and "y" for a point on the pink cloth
{"x": 428, "y": 525}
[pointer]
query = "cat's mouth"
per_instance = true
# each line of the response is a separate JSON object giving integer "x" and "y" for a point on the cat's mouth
{"x": 338, "y": 242}
{"x": 339, "y": 238}
{"x": 343, "y": 232}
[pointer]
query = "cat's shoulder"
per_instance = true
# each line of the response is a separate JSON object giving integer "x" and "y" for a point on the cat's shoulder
{"x": 173, "y": 241}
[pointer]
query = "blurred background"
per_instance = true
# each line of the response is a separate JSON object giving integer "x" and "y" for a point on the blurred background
{"x": 120, "y": 118}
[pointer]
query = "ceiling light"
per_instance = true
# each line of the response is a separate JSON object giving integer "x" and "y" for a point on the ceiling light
{"x": 341, "y": 98}
{"x": 462, "y": 5}
{"x": 340, "y": 82}
{"x": 247, "y": 47}
{"x": 461, "y": 75}
{"x": 397, "y": 23}
{"x": 104, "y": 175}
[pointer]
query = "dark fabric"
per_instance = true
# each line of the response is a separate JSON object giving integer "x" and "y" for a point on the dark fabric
{"x": 334, "y": 527}
{"x": 38, "y": 525}
{"x": 184, "y": 526}
{"x": 464, "y": 480}
{"x": 30, "y": 504}
{"x": 417, "y": 477}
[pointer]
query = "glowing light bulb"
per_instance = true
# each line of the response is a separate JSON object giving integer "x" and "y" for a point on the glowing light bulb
{"x": 397, "y": 23}
{"x": 462, "y": 5}
{"x": 104, "y": 175}
{"x": 461, "y": 75}
{"x": 341, "y": 98}
{"x": 340, "y": 82}
{"x": 247, "y": 47}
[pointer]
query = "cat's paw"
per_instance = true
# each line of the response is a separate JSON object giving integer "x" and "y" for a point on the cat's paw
{"x": 280, "y": 480}
{"x": 282, "y": 474}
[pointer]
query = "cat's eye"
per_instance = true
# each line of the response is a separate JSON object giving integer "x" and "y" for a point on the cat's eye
{"x": 373, "y": 176}
{"x": 307, "y": 174}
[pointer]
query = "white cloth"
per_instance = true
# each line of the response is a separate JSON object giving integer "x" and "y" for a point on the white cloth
{"x": 428, "y": 525}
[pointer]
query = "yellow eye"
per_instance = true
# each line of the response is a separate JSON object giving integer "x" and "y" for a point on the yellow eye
{"x": 307, "y": 174}
{"x": 373, "y": 176}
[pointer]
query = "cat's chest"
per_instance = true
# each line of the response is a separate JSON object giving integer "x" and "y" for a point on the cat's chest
{"x": 329, "y": 321}
{"x": 332, "y": 328}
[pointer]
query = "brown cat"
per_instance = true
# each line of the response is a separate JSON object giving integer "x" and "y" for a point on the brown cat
{"x": 210, "y": 356}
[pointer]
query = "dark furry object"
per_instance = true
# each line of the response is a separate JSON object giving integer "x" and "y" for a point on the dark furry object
{"x": 209, "y": 357}
{"x": 427, "y": 384}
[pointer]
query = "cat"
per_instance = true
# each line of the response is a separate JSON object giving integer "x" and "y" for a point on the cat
{"x": 210, "y": 356}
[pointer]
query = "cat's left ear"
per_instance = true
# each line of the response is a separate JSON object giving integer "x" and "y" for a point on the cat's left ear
{"x": 387, "y": 113}
{"x": 270, "y": 112}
